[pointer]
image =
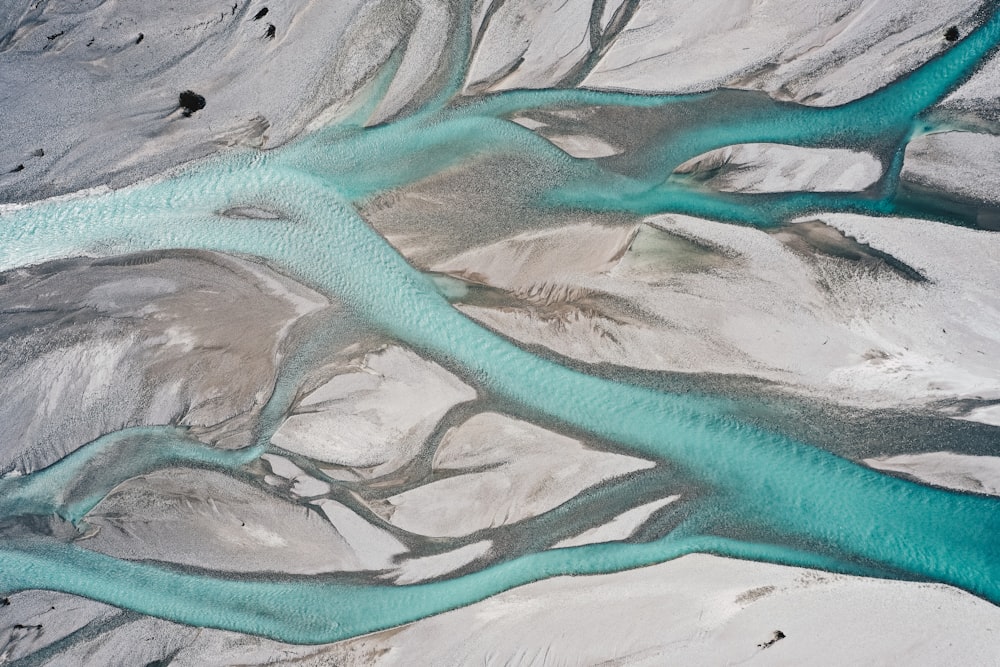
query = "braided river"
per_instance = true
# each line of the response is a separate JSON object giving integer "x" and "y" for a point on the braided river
{"x": 763, "y": 496}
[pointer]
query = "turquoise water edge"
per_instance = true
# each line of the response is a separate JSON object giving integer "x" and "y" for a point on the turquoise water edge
{"x": 806, "y": 507}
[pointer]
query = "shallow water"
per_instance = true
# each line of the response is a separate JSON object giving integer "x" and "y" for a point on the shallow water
{"x": 766, "y": 496}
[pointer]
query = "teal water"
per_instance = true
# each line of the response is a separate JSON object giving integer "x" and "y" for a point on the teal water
{"x": 767, "y": 497}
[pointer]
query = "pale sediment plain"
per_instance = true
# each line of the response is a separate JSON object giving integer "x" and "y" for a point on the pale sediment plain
{"x": 777, "y": 220}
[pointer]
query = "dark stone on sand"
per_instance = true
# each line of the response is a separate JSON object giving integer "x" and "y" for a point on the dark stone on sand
{"x": 261, "y": 14}
{"x": 139, "y": 38}
{"x": 951, "y": 34}
{"x": 270, "y": 31}
{"x": 191, "y": 101}
{"x": 16, "y": 169}
{"x": 776, "y": 637}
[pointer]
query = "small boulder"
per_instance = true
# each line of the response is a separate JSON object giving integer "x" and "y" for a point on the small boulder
{"x": 191, "y": 101}
{"x": 951, "y": 34}
{"x": 776, "y": 637}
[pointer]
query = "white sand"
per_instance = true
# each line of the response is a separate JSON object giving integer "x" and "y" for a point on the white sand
{"x": 819, "y": 53}
{"x": 713, "y": 297}
{"x": 979, "y": 474}
{"x": 756, "y": 168}
{"x": 205, "y": 519}
{"x": 415, "y": 570}
{"x": 154, "y": 343}
{"x": 620, "y": 528}
{"x": 698, "y": 610}
{"x": 375, "y": 413}
{"x": 513, "y": 470}
{"x": 957, "y": 163}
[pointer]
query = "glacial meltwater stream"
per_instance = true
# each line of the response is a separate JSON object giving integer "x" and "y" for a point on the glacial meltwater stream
{"x": 768, "y": 497}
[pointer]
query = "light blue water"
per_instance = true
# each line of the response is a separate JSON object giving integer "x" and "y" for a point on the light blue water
{"x": 768, "y": 497}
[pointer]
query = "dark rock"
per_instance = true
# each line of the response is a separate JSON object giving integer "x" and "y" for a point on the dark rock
{"x": 270, "y": 31}
{"x": 951, "y": 34}
{"x": 21, "y": 626}
{"x": 38, "y": 152}
{"x": 58, "y": 34}
{"x": 139, "y": 38}
{"x": 261, "y": 14}
{"x": 16, "y": 169}
{"x": 776, "y": 637}
{"x": 191, "y": 101}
